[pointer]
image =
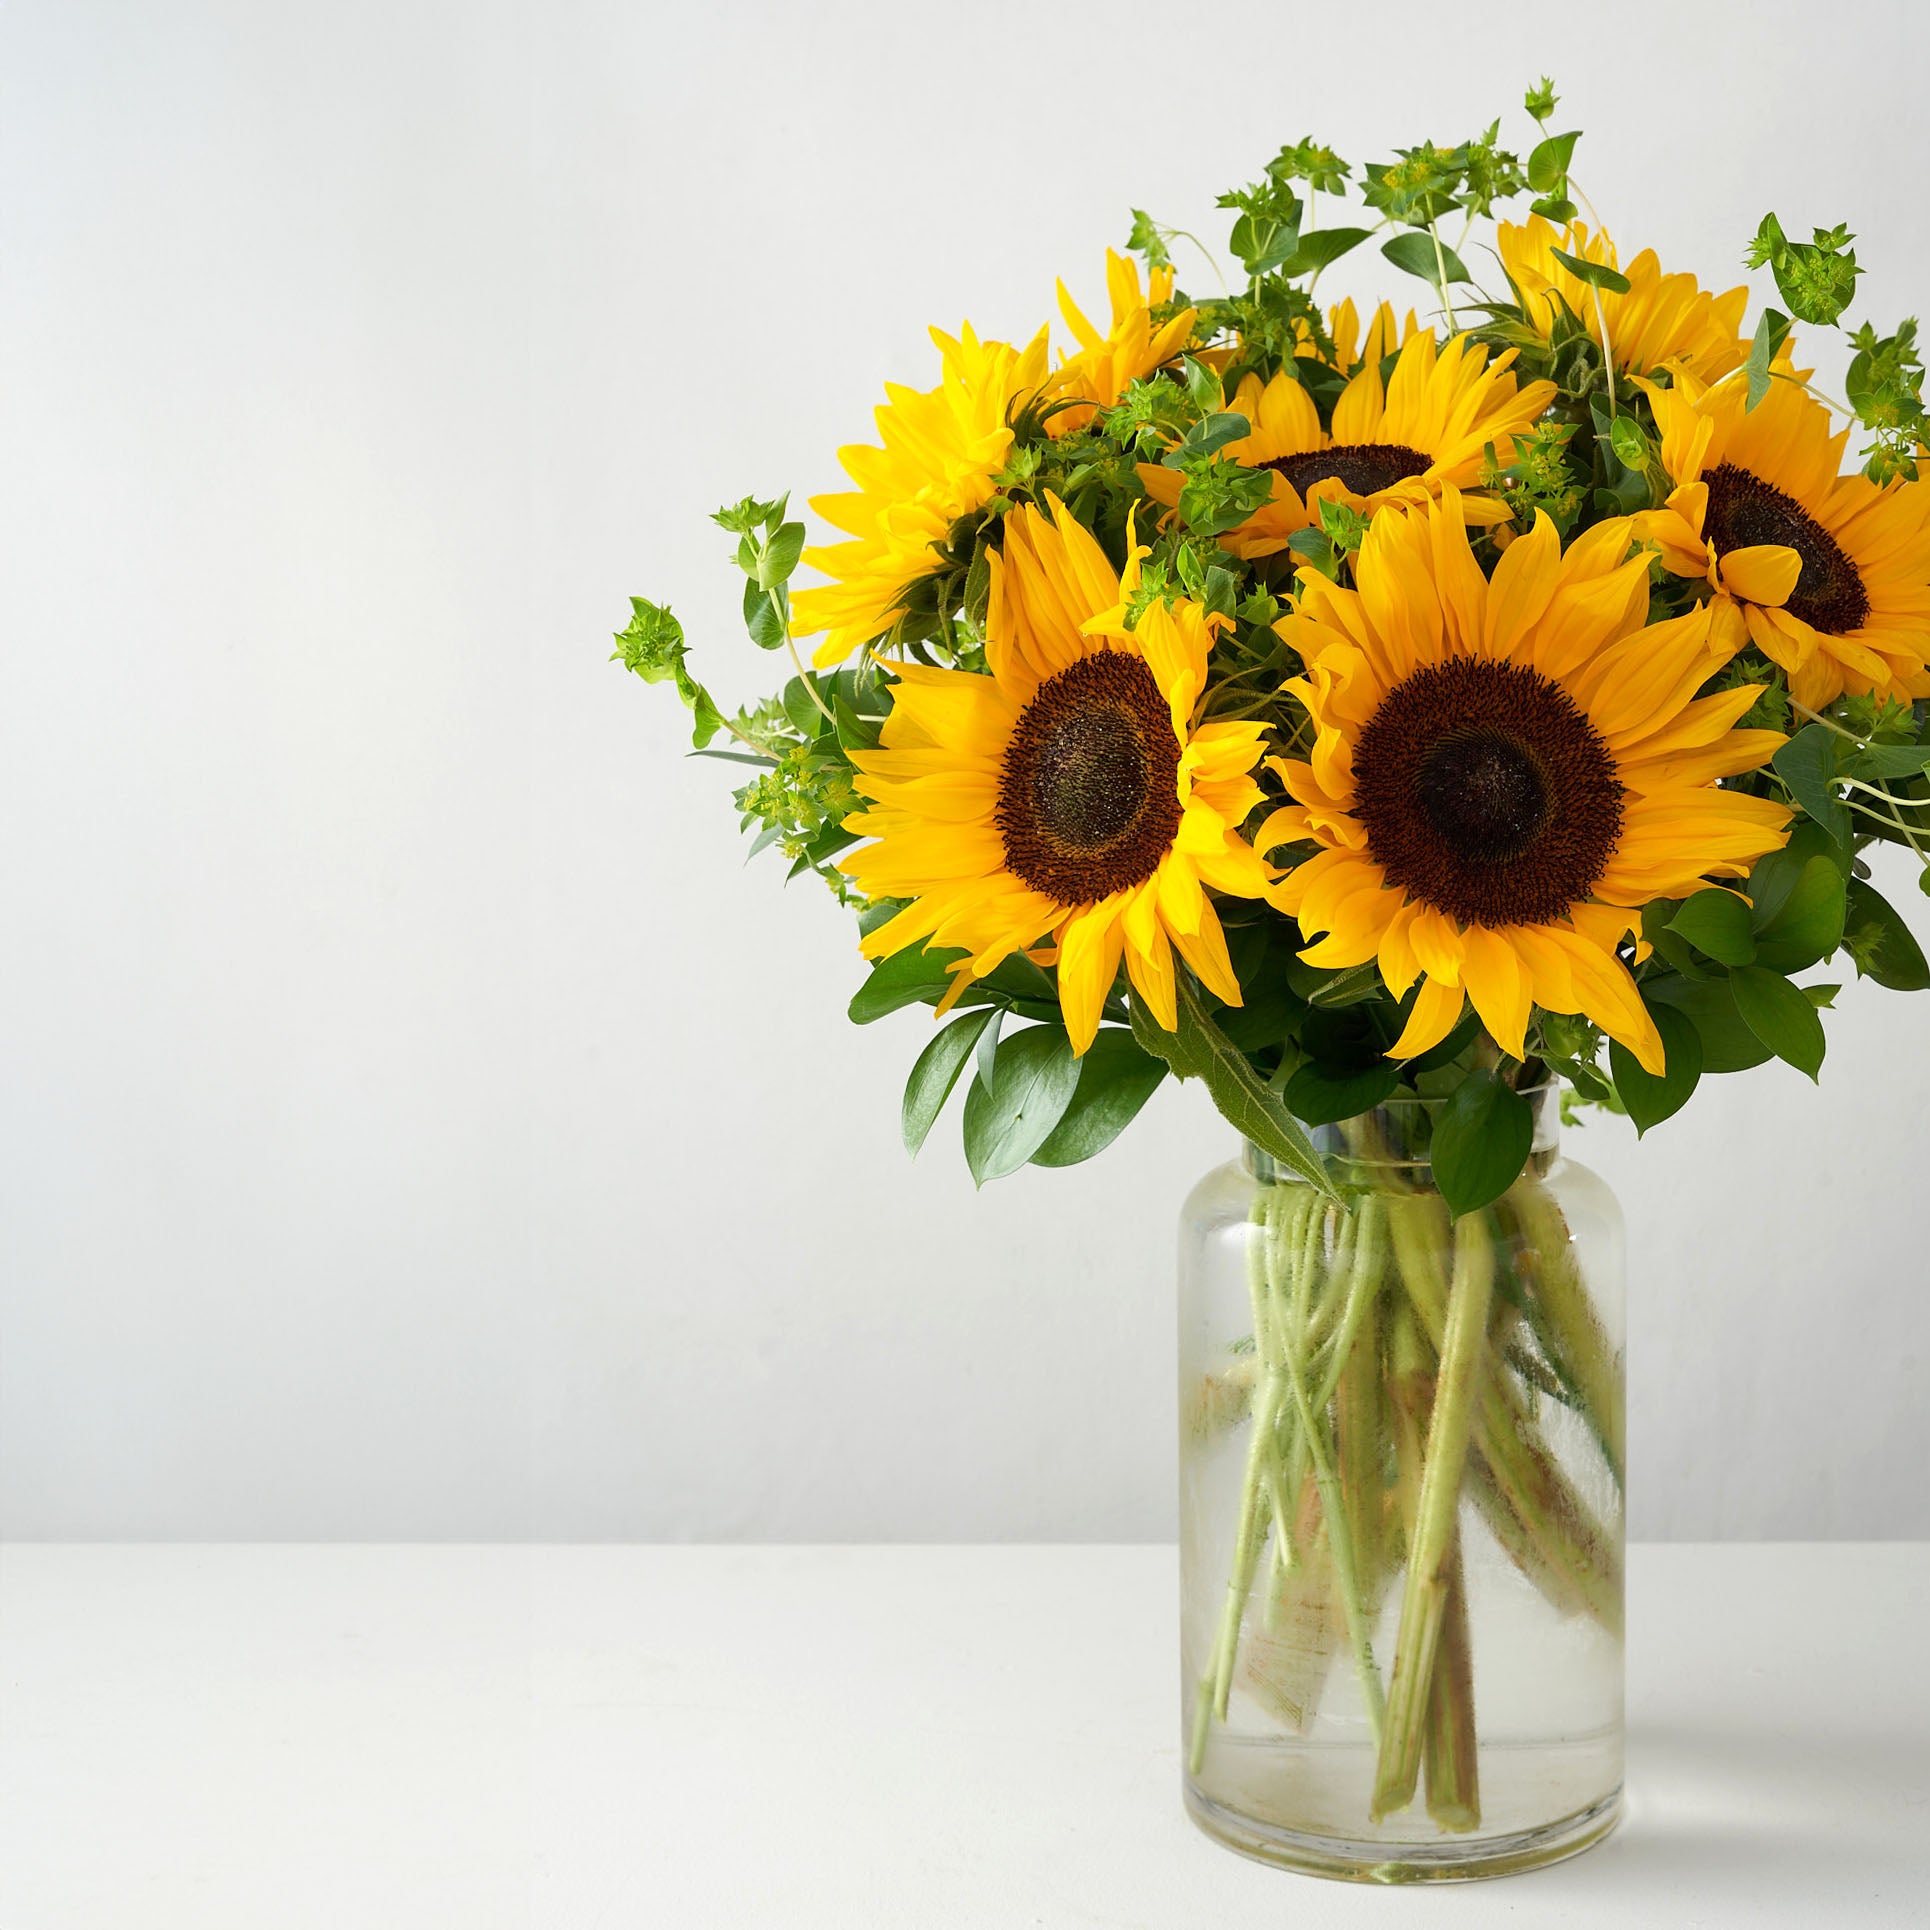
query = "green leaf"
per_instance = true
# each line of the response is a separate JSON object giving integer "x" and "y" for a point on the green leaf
{"x": 1772, "y": 331}
{"x": 1148, "y": 238}
{"x": 1348, "y": 986}
{"x": 855, "y": 733}
{"x": 1598, "y": 274}
{"x": 1116, "y": 1078}
{"x": 805, "y": 716}
{"x": 1883, "y": 946}
{"x": 988, "y": 1053}
{"x": 1219, "y": 493}
{"x": 1324, "y": 245}
{"x": 1270, "y": 1016}
{"x": 1208, "y": 434}
{"x": 1349, "y": 1038}
{"x": 1033, "y": 1085}
{"x": 1319, "y": 1094}
{"x": 1631, "y": 446}
{"x": 914, "y": 976}
{"x": 1807, "y": 764}
{"x": 1548, "y": 163}
{"x": 1728, "y": 1045}
{"x": 1198, "y": 1049}
{"x": 1880, "y": 763}
{"x": 1414, "y": 253}
{"x": 1716, "y": 923}
{"x": 1776, "y": 872}
{"x": 1808, "y": 923}
{"x": 779, "y": 555}
{"x": 1649, "y": 1100}
{"x": 706, "y": 720}
{"x": 1482, "y": 1140}
{"x": 761, "y": 619}
{"x": 1780, "y": 1016}
{"x": 936, "y": 1073}
{"x": 1204, "y": 389}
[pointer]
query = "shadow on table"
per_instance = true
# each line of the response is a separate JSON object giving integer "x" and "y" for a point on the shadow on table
{"x": 1766, "y": 1812}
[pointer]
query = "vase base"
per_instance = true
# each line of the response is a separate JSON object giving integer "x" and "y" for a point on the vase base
{"x": 1452, "y": 1860}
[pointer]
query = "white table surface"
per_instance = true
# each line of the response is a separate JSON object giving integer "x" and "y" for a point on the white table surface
{"x": 271, "y": 1738}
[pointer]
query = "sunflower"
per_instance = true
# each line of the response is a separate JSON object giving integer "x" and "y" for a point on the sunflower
{"x": 1135, "y": 346}
{"x": 1829, "y": 573}
{"x": 941, "y": 450}
{"x": 1662, "y": 318}
{"x": 1068, "y": 796}
{"x": 1430, "y": 428}
{"x": 1504, "y": 772}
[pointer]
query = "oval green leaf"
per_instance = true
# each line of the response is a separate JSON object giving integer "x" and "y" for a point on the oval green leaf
{"x": 936, "y": 1073}
{"x": 1649, "y": 1100}
{"x": 1728, "y": 1045}
{"x": 915, "y": 976}
{"x": 1481, "y": 1142}
{"x": 1780, "y": 1016}
{"x": 1883, "y": 946}
{"x": 1116, "y": 1078}
{"x": 1032, "y": 1084}
{"x": 1808, "y": 924}
{"x": 1415, "y": 253}
{"x": 1317, "y": 1095}
{"x": 1597, "y": 273}
{"x": 1716, "y": 923}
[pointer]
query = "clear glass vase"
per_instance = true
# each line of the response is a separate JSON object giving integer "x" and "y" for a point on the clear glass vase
{"x": 1401, "y": 1458}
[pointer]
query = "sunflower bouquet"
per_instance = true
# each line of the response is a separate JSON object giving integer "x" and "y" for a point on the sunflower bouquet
{"x": 1390, "y": 722}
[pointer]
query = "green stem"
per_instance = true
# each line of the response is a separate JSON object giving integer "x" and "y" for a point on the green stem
{"x": 1340, "y": 1540}
{"x": 1359, "y": 1432}
{"x": 1424, "y": 1599}
{"x": 1441, "y": 269}
{"x": 1450, "y": 1757}
{"x": 1559, "y": 1305}
{"x": 1555, "y": 1539}
{"x": 1266, "y": 1347}
{"x": 1370, "y": 1262}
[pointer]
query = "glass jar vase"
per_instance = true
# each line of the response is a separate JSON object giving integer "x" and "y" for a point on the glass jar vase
{"x": 1401, "y": 1461}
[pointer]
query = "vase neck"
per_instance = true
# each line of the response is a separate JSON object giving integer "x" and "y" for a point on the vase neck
{"x": 1396, "y": 1139}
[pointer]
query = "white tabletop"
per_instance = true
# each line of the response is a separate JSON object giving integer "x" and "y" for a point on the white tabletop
{"x": 270, "y": 1738}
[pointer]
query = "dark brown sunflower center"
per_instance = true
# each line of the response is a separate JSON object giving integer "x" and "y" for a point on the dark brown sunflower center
{"x": 1359, "y": 467}
{"x": 1486, "y": 793}
{"x": 1089, "y": 794}
{"x": 1744, "y": 510}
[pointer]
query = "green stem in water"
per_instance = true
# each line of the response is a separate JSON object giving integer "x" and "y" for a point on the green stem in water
{"x": 1558, "y": 1303}
{"x": 1332, "y": 1504}
{"x": 1266, "y": 1347}
{"x": 1449, "y": 1754}
{"x": 1424, "y": 1599}
{"x": 1553, "y": 1536}
{"x": 1360, "y": 1432}
{"x": 1449, "y": 1757}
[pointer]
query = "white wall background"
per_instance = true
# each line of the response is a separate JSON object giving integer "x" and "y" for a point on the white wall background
{"x": 417, "y": 1122}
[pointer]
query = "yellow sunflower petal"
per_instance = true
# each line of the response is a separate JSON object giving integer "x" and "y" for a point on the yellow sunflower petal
{"x": 1437, "y": 1010}
{"x": 1762, "y": 572}
{"x": 1090, "y": 945}
{"x": 1491, "y": 969}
